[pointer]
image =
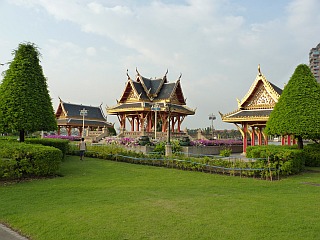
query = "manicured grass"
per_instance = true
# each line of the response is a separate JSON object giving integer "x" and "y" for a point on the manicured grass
{"x": 99, "y": 199}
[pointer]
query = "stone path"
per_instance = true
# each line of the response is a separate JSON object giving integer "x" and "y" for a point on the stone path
{"x": 8, "y": 234}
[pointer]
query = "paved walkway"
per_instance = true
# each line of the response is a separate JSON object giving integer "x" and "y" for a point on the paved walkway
{"x": 8, "y": 234}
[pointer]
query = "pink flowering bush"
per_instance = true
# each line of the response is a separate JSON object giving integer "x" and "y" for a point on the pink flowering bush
{"x": 129, "y": 142}
{"x": 71, "y": 138}
{"x": 222, "y": 142}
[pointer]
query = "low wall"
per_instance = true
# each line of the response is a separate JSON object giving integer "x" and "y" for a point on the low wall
{"x": 141, "y": 149}
{"x": 209, "y": 150}
{"x": 190, "y": 150}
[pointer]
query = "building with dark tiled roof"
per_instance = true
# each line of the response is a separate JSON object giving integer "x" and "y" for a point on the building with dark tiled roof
{"x": 146, "y": 103}
{"x": 254, "y": 110}
{"x": 69, "y": 116}
{"x": 314, "y": 62}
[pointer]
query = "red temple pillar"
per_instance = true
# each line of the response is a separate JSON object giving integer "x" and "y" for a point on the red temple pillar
{"x": 172, "y": 124}
{"x": 245, "y": 140}
{"x": 164, "y": 122}
{"x": 123, "y": 121}
{"x": 179, "y": 124}
{"x": 69, "y": 130}
{"x": 283, "y": 140}
{"x": 265, "y": 139}
{"x": 132, "y": 124}
{"x": 252, "y": 137}
{"x": 260, "y": 136}
{"x": 137, "y": 126}
{"x": 294, "y": 141}
{"x": 289, "y": 140}
{"x": 58, "y": 130}
{"x": 149, "y": 125}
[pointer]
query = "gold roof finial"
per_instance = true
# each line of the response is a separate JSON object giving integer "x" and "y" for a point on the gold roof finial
{"x": 137, "y": 71}
{"x": 128, "y": 74}
{"x": 259, "y": 71}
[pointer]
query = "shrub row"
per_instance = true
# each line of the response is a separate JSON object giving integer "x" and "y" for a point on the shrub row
{"x": 22, "y": 160}
{"x": 61, "y": 144}
{"x": 292, "y": 160}
{"x": 103, "y": 151}
{"x": 258, "y": 168}
{"x": 312, "y": 154}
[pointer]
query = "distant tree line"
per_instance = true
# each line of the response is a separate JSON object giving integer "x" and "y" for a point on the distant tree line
{"x": 221, "y": 134}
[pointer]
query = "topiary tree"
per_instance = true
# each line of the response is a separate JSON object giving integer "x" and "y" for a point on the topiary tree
{"x": 25, "y": 104}
{"x": 297, "y": 112}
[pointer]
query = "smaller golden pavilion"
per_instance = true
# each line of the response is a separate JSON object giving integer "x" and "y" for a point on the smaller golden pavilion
{"x": 254, "y": 110}
{"x": 149, "y": 105}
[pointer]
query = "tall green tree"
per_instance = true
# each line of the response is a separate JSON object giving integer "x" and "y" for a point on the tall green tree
{"x": 25, "y": 104}
{"x": 297, "y": 112}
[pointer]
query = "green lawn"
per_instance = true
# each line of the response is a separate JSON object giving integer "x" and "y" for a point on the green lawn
{"x": 99, "y": 199}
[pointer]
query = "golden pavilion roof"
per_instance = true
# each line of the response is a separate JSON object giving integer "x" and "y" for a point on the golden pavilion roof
{"x": 142, "y": 93}
{"x": 257, "y": 104}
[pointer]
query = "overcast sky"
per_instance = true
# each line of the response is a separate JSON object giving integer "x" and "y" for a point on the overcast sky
{"x": 87, "y": 46}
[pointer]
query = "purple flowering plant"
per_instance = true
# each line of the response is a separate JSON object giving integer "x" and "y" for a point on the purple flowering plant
{"x": 71, "y": 138}
{"x": 218, "y": 142}
{"x": 129, "y": 142}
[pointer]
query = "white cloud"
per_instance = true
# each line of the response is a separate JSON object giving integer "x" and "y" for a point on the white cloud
{"x": 303, "y": 19}
{"x": 91, "y": 51}
{"x": 215, "y": 45}
{"x": 96, "y": 7}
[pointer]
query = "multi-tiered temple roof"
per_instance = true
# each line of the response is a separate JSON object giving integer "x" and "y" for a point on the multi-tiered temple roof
{"x": 142, "y": 93}
{"x": 142, "y": 96}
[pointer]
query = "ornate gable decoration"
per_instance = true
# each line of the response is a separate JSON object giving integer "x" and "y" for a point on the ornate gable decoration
{"x": 261, "y": 95}
{"x": 177, "y": 94}
{"x": 131, "y": 96}
{"x": 61, "y": 112}
{"x": 261, "y": 99}
{"x": 130, "y": 93}
{"x": 175, "y": 99}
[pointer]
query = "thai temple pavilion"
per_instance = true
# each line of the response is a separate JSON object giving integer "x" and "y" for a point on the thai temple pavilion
{"x": 254, "y": 110}
{"x": 149, "y": 105}
{"x": 76, "y": 116}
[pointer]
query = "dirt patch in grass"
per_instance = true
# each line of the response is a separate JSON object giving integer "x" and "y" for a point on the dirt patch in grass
{"x": 4, "y": 182}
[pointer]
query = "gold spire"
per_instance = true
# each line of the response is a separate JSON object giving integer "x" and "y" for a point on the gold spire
{"x": 259, "y": 71}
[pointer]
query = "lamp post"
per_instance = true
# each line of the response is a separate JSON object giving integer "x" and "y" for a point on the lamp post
{"x": 168, "y": 145}
{"x": 83, "y": 112}
{"x": 155, "y": 108}
{"x": 212, "y": 117}
{"x": 168, "y": 107}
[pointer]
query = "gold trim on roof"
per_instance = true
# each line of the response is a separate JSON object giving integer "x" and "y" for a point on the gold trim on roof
{"x": 64, "y": 112}
{"x": 132, "y": 95}
{"x": 268, "y": 87}
{"x": 163, "y": 80}
{"x": 246, "y": 119}
{"x": 174, "y": 95}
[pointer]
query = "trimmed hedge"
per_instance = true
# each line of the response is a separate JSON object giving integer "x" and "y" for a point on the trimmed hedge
{"x": 104, "y": 151}
{"x": 22, "y": 160}
{"x": 257, "y": 168}
{"x": 290, "y": 159}
{"x": 61, "y": 144}
{"x": 312, "y": 153}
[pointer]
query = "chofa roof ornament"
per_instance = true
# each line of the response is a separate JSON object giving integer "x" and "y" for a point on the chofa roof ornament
{"x": 137, "y": 71}
{"x": 259, "y": 70}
